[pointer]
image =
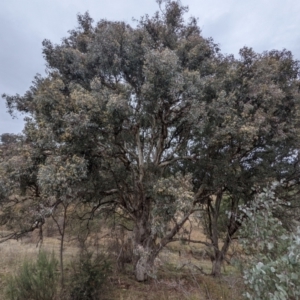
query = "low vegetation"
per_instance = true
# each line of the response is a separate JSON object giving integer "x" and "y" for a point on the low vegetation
{"x": 34, "y": 280}
{"x": 94, "y": 271}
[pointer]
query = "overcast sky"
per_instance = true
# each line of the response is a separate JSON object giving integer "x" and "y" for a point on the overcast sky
{"x": 24, "y": 24}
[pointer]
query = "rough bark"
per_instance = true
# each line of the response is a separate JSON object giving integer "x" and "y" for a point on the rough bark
{"x": 145, "y": 264}
{"x": 144, "y": 251}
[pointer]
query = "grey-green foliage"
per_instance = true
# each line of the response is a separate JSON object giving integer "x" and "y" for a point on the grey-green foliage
{"x": 125, "y": 109}
{"x": 35, "y": 280}
{"x": 272, "y": 268}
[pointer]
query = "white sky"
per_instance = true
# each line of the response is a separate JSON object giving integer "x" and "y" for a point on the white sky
{"x": 24, "y": 24}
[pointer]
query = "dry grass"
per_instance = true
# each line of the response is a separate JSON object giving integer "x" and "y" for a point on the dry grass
{"x": 13, "y": 254}
{"x": 178, "y": 276}
{"x": 173, "y": 285}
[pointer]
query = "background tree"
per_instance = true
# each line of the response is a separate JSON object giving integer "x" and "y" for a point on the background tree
{"x": 247, "y": 139}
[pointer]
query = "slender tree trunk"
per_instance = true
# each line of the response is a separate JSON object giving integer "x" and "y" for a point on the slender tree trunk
{"x": 62, "y": 230}
{"x": 217, "y": 263}
{"x": 213, "y": 213}
{"x": 62, "y": 278}
{"x": 220, "y": 254}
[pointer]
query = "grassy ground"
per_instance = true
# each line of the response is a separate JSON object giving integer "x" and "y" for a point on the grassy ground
{"x": 179, "y": 284}
{"x": 178, "y": 276}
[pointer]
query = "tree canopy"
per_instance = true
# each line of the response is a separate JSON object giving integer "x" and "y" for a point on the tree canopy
{"x": 154, "y": 122}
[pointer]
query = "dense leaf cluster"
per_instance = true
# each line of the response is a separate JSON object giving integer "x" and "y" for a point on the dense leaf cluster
{"x": 271, "y": 269}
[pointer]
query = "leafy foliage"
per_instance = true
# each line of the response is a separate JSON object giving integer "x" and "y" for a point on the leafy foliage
{"x": 271, "y": 270}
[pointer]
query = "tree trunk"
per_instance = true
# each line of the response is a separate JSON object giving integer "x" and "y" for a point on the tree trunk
{"x": 144, "y": 251}
{"x": 220, "y": 255}
{"x": 62, "y": 277}
{"x": 62, "y": 229}
{"x": 145, "y": 265}
{"x": 217, "y": 263}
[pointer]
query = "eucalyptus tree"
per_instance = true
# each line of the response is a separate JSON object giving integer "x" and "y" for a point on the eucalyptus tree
{"x": 113, "y": 117}
{"x": 153, "y": 121}
{"x": 249, "y": 138}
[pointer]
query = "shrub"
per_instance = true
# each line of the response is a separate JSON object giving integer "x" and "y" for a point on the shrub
{"x": 272, "y": 268}
{"x": 35, "y": 280}
{"x": 89, "y": 276}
